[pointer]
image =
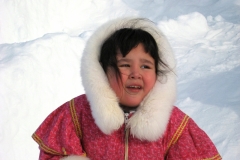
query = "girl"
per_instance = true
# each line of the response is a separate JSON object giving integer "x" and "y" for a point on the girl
{"x": 128, "y": 72}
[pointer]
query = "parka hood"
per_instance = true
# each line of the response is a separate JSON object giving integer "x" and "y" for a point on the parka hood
{"x": 151, "y": 118}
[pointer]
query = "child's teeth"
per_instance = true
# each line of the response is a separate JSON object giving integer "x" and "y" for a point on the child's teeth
{"x": 135, "y": 86}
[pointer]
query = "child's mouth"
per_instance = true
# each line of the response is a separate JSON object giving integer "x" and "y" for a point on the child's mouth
{"x": 134, "y": 88}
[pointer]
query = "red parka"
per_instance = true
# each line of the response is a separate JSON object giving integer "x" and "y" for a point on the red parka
{"x": 71, "y": 130}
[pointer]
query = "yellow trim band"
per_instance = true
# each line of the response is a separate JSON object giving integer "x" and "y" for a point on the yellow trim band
{"x": 216, "y": 157}
{"x": 75, "y": 119}
{"x": 44, "y": 147}
{"x": 178, "y": 132}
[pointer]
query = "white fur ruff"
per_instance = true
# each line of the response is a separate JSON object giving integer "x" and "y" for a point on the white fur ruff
{"x": 151, "y": 118}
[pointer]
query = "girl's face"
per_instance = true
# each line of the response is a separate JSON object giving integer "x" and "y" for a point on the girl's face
{"x": 138, "y": 76}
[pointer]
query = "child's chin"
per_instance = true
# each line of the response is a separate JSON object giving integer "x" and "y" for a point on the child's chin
{"x": 130, "y": 101}
{"x": 131, "y": 104}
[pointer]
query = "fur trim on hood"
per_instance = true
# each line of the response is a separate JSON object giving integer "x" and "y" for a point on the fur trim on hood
{"x": 151, "y": 118}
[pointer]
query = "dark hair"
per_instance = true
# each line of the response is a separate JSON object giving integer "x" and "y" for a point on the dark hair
{"x": 124, "y": 40}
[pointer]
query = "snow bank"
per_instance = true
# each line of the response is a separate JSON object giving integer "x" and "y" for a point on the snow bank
{"x": 24, "y": 20}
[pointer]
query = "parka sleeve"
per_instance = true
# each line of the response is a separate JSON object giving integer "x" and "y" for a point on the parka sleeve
{"x": 191, "y": 142}
{"x": 57, "y": 136}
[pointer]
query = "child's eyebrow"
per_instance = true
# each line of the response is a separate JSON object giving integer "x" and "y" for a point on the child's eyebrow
{"x": 124, "y": 60}
{"x": 146, "y": 61}
{"x": 141, "y": 60}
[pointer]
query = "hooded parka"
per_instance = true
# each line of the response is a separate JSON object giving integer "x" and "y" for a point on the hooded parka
{"x": 94, "y": 126}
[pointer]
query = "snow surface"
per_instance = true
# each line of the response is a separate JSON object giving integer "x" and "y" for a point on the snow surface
{"x": 41, "y": 43}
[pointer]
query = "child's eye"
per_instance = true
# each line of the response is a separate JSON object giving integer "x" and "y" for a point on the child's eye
{"x": 145, "y": 67}
{"x": 124, "y": 65}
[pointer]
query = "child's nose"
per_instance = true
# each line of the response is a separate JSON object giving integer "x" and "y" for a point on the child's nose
{"x": 135, "y": 74}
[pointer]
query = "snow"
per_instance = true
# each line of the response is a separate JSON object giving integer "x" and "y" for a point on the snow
{"x": 41, "y": 45}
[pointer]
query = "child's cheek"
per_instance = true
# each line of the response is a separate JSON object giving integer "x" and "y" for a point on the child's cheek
{"x": 116, "y": 87}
